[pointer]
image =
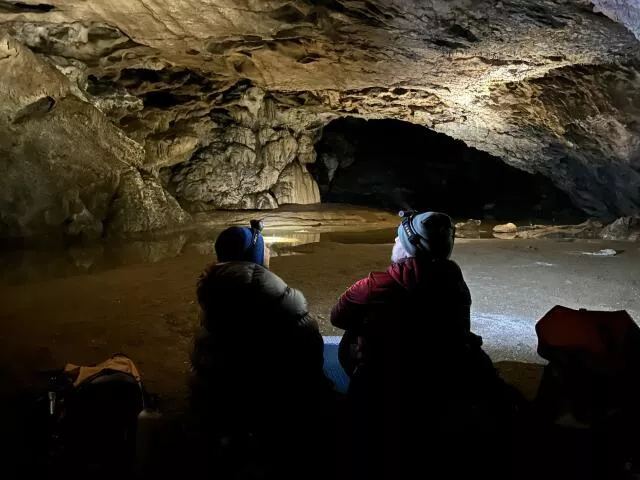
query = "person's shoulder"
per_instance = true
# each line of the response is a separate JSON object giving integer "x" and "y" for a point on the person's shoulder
{"x": 443, "y": 264}
{"x": 266, "y": 284}
{"x": 374, "y": 280}
{"x": 251, "y": 278}
{"x": 445, "y": 268}
{"x": 383, "y": 276}
{"x": 375, "y": 283}
{"x": 452, "y": 265}
{"x": 451, "y": 269}
{"x": 237, "y": 273}
{"x": 266, "y": 279}
{"x": 232, "y": 269}
{"x": 456, "y": 276}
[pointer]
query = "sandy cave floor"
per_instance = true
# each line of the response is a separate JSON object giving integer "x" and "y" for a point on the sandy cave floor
{"x": 147, "y": 310}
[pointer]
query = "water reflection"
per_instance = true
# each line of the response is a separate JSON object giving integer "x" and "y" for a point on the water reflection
{"x": 148, "y": 251}
{"x": 29, "y": 265}
{"x": 36, "y": 264}
{"x": 291, "y": 238}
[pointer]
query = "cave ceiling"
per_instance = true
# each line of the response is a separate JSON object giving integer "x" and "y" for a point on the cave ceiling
{"x": 550, "y": 87}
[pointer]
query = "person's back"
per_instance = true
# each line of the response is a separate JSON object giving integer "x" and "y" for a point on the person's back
{"x": 416, "y": 310}
{"x": 417, "y": 370}
{"x": 256, "y": 340}
{"x": 258, "y": 355}
{"x": 414, "y": 304}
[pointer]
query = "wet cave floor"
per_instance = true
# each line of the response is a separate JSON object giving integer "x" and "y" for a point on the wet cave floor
{"x": 82, "y": 305}
{"x": 85, "y": 303}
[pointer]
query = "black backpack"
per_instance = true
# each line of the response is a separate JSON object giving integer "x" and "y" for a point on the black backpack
{"x": 91, "y": 420}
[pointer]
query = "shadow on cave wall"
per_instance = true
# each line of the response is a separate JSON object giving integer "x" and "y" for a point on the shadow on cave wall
{"x": 394, "y": 165}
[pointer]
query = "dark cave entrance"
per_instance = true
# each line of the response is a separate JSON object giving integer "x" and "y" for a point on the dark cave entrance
{"x": 394, "y": 165}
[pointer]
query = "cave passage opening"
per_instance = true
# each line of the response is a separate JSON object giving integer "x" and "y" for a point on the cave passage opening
{"x": 395, "y": 165}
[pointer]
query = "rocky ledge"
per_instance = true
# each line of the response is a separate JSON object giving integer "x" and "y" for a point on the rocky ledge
{"x": 626, "y": 229}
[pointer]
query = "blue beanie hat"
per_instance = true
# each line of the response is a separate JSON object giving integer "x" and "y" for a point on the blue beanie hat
{"x": 235, "y": 245}
{"x": 436, "y": 231}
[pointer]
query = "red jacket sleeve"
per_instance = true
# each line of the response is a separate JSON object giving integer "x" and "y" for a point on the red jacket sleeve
{"x": 349, "y": 311}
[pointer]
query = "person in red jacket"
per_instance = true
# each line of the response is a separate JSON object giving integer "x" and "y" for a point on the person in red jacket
{"x": 414, "y": 363}
{"x": 421, "y": 285}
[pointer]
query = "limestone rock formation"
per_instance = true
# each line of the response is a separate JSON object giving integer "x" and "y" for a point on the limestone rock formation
{"x": 62, "y": 159}
{"x": 251, "y": 158}
{"x": 220, "y": 103}
{"x": 141, "y": 204}
{"x": 296, "y": 185}
{"x": 587, "y": 230}
{"x": 625, "y": 228}
{"x": 623, "y": 11}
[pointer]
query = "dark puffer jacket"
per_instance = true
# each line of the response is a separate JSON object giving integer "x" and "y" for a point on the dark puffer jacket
{"x": 258, "y": 353}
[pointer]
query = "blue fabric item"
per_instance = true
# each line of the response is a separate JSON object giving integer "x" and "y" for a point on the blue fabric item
{"x": 332, "y": 368}
{"x": 438, "y": 247}
{"x": 234, "y": 245}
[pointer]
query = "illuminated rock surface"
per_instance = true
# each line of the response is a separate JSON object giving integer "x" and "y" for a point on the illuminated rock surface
{"x": 123, "y": 116}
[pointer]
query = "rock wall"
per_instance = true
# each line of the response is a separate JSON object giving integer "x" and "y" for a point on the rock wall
{"x": 250, "y": 157}
{"x": 579, "y": 127}
{"x": 67, "y": 170}
{"x": 626, "y": 12}
{"x": 219, "y": 104}
{"x": 296, "y": 186}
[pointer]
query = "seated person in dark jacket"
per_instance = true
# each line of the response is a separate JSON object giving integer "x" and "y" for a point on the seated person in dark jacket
{"x": 258, "y": 357}
{"x": 422, "y": 291}
{"x": 416, "y": 367}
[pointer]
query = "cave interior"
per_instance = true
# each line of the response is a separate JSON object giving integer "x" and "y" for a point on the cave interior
{"x": 397, "y": 165}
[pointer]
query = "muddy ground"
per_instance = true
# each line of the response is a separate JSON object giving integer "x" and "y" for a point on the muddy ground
{"x": 147, "y": 310}
{"x": 84, "y": 304}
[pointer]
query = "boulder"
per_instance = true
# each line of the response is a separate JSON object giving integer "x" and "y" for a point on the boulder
{"x": 142, "y": 205}
{"x": 505, "y": 228}
{"x": 61, "y": 157}
{"x": 470, "y": 224}
{"x": 624, "y": 229}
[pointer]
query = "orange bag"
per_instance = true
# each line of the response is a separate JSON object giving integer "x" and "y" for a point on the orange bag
{"x": 601, "y": 340}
